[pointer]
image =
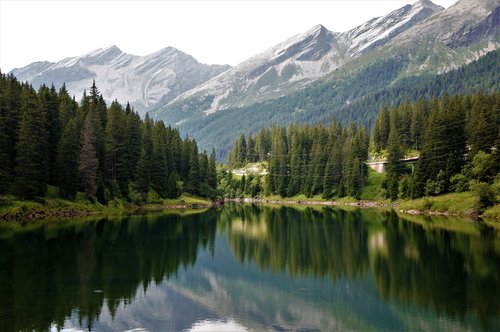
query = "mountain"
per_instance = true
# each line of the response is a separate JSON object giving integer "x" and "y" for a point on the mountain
{"x": 381, "y": 30}
{"x": 300, "y": 60}
{"x": 144, "y": 81}
{"x": 379, "y": 61}
{"x": 458, "y": 35}
{"x": 356, "y": 98}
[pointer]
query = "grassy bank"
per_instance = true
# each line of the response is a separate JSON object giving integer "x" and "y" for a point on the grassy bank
{"x": 52, "y": 207}
{"x": 455, "y": 204}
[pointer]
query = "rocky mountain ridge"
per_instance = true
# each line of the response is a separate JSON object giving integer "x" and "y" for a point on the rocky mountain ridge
{"x": 300, "y": 60}
{"x": 144, "y": 81}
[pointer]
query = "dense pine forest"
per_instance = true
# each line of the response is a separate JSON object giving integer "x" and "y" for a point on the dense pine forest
{"x": 456, "y": 138}
{"x": 305, "y": 159}
{"x": 47, "y": 138}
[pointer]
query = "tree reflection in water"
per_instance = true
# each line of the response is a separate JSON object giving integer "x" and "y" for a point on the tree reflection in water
{"x": 51, "y": 272}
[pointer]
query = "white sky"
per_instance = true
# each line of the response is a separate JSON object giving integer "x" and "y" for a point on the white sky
{"x": 222, "y": 32}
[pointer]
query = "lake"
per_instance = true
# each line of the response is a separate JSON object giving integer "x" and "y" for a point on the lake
{"x": 247, "y": 267}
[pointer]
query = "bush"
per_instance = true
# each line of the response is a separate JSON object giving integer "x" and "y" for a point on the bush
{"x": 405, "y": 186}
{"x": 438, "y": 186}
{"x": 496, "y": 184}
{"x": 459, "y": 183}
{"x": 484, "y": 167}
{"x": 134, "y": 195}
{"x": 430, "y": 188}
{"x": 153, "y": 197}
{"x": 485, "y": 194}
{"x": 427, "y": 203}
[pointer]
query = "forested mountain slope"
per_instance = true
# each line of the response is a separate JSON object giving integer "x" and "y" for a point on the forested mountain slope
{"x": 350, "y": 98}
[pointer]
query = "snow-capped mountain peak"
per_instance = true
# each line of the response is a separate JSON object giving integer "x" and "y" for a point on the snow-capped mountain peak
{"x": 111, "y": 49}
{"x": 274, "y": 72}
{"x": 301, "y": 60}
{"x": 379, "y": 30}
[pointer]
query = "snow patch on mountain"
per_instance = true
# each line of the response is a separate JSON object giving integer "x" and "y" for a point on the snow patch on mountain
{"x": 375, "y": 31}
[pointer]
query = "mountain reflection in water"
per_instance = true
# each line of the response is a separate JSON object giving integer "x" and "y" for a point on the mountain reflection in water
{"x": 247, "y": 267}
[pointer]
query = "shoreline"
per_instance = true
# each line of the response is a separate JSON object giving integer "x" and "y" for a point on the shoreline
{"x": 360, "y": 203}
{"x": 473, "y": 214}
{"x": 42, "y": 212}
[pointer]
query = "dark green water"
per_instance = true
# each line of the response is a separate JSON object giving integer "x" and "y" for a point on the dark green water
{"x": 251, "y": 268}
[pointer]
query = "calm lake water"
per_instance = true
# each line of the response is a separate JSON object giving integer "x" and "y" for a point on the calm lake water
{"x": 251, "y": 268}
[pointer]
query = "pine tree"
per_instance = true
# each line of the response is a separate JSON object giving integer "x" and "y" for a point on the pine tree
{"x": 277, "y": 179}
{"x": 483, "y": 124}
{"x": 318, "y": 159}
{"x": 67, "y": 161}
{"x": 394, "y": 166}
{"x": 159, "y": 165}
{"x": 143, "y": 172}
{"x": 212, "y": 171}
{"x": 263, "y": 144}
{"x": 49, "y": 103}
{"x": 328, "y": 177}
{"x": 203, "y": 162}
{"x": 98, "y": 110}
{"x": 172, "y": 190}
{"x": 193, "y": 184}
{"x": 67, "y": 107}
{"x": 144, "y": 166}
{"x": 5, "y": 164}
{"x": 14, "y": 100}
{"x": 250, "y": 153}
{"x": 185, "y": 159}
{"x": 88, "y": 163}
{"x": 31, "y": 169}
{"x": 116, "y": 157}
{"x": 380, "y": 131}
{"x": 133, "y": 141}
{"x": 295, "y": 162}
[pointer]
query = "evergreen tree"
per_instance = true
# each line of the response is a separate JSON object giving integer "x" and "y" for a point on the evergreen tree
{"x": 295, "y": 162}
{"x": 394, "y": 166}
{"x": 483, "y": 124}
{"x": 31, "y": 169}
{"x": 133, "y": 142}
{"x": 212, "y": 171}
{"x": 49, "y": 103}
{"x": 5, "y": 164}
{"x": 115, "y": 147}
{"x": 328, "y": 184}
{"x": 250, "y": 153}
{"x": 67, "y": 107}
{"x": 381, "y": 129}
{"x": 185, "y": 159}
{"x": 193, "y": 184}
{"x": 67, "y": 161}
{"x": 203, "y": 162}
{"x": 318, "y": 159}
{"x": 172, "y": 190}
{"x": 159, "y": 165}
{"x": 143, "y": 172}
{"x": 88, "y": 162}
{"x": 242, "y": 150}
{"x": 263, "y": 144}
{"x": 15, "y": 101}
